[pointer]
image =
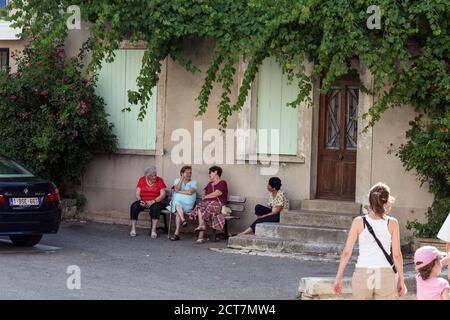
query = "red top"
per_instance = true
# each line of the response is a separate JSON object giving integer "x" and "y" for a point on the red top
{"x": 150, "y": 193}
{"x": 222, "y": 186}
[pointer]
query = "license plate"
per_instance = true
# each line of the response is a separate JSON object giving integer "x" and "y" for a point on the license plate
{"x": 24, "y": 202}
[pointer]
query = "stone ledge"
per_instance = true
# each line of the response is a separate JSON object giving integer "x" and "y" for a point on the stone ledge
{"x": 68, "y": 202}
{"x": 318, "y": 288}
{"x": 69, "y": 209}
{"x": 321, "y": 288}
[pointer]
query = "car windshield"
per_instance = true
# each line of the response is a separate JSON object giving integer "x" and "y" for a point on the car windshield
{"x": 11, "y": 169}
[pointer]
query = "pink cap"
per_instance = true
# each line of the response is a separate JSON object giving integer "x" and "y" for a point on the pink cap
{"x": 425, "y": 255}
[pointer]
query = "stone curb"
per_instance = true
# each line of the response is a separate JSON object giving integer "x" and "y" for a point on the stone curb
{"x": 321, "y": 288}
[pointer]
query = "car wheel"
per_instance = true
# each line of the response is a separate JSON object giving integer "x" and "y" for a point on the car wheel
{"x": 25, "y": 241}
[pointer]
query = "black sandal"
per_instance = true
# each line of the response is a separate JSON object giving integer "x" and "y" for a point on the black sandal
{"x": 175, "y": 238}
{"x": 184, "y": 224}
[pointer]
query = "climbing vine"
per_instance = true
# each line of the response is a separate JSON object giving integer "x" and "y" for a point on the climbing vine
{"x": 408, "y": 55}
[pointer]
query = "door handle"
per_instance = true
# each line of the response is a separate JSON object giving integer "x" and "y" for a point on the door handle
{"x": 341, "y": 156}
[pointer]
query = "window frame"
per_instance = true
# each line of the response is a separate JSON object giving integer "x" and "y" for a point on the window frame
{"x": 247, "y": 119}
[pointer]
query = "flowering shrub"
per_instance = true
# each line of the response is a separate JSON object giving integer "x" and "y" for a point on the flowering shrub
{"x": 50, "y": 117}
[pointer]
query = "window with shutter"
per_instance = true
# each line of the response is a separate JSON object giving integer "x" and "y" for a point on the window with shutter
{"x": 274, "y": 92}
{"x": 115, "y": 79}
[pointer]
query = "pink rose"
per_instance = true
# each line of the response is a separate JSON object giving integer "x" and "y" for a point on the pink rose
{"x": 83, "y": 107}
{"x": 24, "y": 115}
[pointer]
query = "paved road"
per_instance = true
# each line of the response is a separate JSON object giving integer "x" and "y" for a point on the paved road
{"x": 115, "y": 266}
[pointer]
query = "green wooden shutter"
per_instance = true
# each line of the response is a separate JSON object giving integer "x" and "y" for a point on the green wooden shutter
{"x": 115, "y": 79}
{"x": 274, "y": 93}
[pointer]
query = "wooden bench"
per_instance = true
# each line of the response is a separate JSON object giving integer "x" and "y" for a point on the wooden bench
{"x": 235, "y": 203}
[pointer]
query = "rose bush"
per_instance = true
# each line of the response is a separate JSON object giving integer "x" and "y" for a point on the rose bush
{"x": 50, "y": 117}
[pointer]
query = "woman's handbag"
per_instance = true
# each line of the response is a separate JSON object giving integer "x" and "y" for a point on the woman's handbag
{"x": 226, "y": 211}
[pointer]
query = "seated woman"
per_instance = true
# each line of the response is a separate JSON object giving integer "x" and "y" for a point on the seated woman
{"x": 149, "y": 193}
{"x": 209, "y": 210}
{"x": 277, "y": 202}
{"x": 183, "y": 198}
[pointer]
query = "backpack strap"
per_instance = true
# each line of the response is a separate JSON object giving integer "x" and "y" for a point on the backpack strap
{"x": 388, "y": 257}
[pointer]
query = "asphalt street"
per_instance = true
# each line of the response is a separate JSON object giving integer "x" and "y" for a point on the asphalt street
{"x": 113, "y": 265}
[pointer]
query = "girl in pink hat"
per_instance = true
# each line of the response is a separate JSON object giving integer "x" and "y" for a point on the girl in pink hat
{"x": 429, "y": 266}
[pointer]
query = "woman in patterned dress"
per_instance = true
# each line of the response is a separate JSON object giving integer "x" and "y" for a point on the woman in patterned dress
{"x": 209, "y": 210}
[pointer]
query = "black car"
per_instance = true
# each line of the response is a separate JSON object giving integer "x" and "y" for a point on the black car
{"x": 29, "y": 206}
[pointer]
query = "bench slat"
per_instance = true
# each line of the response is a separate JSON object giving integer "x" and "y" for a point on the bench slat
{"x": 232, "y": 217}
{"x": 236, "y": 207}
{"x": 237, "y": 199}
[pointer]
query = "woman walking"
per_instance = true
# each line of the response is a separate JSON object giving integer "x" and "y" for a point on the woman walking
{"x": 379, "y": 270}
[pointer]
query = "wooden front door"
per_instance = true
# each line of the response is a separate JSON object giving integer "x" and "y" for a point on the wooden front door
{"x": 338, "y": 132}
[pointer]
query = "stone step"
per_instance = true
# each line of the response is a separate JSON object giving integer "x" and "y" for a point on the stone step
{"x": 301, "y": 233}
{"x": 251, "y": 242}
{"x": 344, "y": 207}
{"x": 317, "y": 219}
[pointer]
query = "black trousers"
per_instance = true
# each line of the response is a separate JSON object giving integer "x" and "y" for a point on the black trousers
{"x": 155, "y": 210}
{"x": 262, "y": 210}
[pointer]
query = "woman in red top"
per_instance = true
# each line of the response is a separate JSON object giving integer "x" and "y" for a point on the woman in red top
{"x": 149, "y": 193}
{"x": 209, "y": 210}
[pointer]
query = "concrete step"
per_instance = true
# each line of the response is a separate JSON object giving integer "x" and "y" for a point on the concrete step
{"x": 251, "y": 242}
{"x": 301, "y": 233}
{"x": 317, "y": 219}
{"x": 344, "y": 207}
